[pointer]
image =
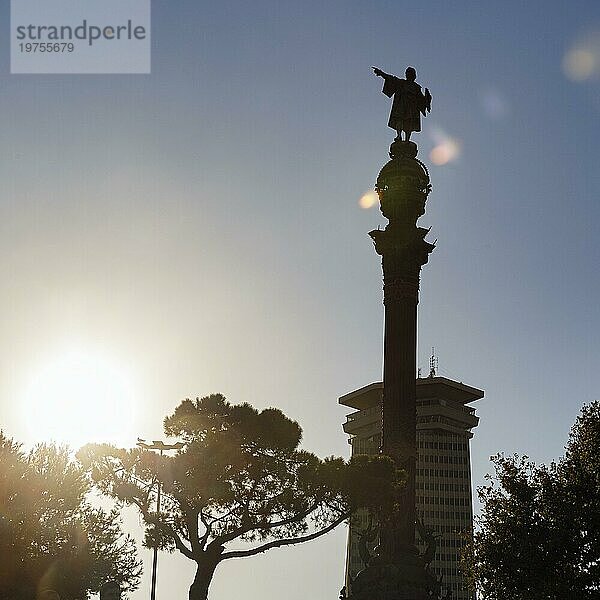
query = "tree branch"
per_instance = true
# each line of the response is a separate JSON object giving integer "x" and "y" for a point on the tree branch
{"x": 294, "y": 519}
{"x": 178, "y": 541}
{"x": 285, "y": 542}
{"x": 228, "y": 537}
{"x": 221, "y": 540}
{"x": 191, "y": 522}
{"x": 142, "y": 507}
{"x": 207, "y": 529}
{"x": 171, "y": 530}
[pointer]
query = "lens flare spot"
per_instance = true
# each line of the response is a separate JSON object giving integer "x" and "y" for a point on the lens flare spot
{"x": 579, "y": 64}
{"x": 445, "y": 152}
{"x": 368, "y": 200}
{"x": 445, "y": 148}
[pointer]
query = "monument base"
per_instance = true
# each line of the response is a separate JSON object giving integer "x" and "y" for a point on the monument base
{"x": 404, "y": 578}
{"x": 401, "y": 148}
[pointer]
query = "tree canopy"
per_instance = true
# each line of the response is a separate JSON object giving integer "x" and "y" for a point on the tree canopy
{"x": 51, "y": 536}
{"x": 538, "y": 537}
{"x": 240, "y": 486}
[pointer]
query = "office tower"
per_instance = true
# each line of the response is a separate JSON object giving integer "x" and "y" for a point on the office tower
{"x": 445, "y": 421}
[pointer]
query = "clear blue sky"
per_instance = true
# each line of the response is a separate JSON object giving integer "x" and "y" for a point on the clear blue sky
{"x": 201, "y": 225}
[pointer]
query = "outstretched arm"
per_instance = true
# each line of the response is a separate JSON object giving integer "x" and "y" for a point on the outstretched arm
{"x": 379, "y": 72}
{"x": 390, "y": 83}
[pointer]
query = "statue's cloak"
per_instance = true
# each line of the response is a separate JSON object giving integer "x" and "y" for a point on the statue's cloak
{"x": 409, "y": 102}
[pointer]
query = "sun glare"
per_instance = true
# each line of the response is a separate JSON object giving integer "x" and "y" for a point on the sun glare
{"x": 446, "y": 148}
{"x": 368, "y": 199}
{"x": 582, "y": 61}
{"x": 579, "y": 64}
{"x": 78, "y": 398}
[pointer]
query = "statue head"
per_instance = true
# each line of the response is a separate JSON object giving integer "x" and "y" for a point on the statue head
{"x": 411, "y": 74}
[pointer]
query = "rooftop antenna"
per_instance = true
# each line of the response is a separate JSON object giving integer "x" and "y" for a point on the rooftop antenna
{"x": 433, "y": 363}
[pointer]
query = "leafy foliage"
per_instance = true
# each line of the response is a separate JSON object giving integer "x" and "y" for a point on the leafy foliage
{"x": 240, "y": 479}
{"x": 50, "y": 535}
{"x": 538, "y": 535}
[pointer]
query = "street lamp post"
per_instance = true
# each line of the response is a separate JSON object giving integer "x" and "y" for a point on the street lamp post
{"x": 161, "y": 447}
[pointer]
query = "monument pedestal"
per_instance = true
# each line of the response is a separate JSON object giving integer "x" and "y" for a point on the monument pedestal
{"x": 403, "y": 578}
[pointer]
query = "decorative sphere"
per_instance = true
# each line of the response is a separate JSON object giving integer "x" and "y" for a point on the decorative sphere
{"x": 403, "y": 184}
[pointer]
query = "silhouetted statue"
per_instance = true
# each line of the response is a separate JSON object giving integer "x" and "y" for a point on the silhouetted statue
{"x": 409, "y": 102}
{"x": 430, "y": 539}
{"x": 366, "y": 538}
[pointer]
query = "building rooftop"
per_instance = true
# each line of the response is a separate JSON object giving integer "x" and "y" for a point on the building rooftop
{"x": 427, "y": 387}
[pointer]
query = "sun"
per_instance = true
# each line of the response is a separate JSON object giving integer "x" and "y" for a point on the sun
{"x": 80, "y": 397}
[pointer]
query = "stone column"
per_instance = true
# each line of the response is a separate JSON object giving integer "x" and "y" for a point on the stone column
{"x": 403, "y": 185}
{"x": 398, "y": 572}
